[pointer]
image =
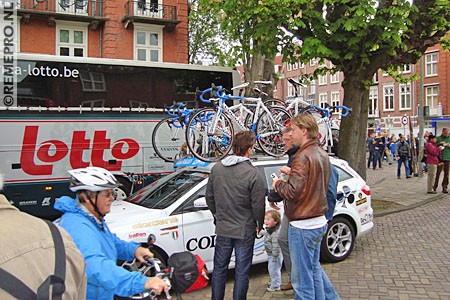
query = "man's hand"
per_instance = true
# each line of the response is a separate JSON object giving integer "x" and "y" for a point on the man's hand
{"x": 285, "y": 170}
{"x": 274, "y": 205}
{"x": 140, "y": 252}
{"x": 157, "y": 284}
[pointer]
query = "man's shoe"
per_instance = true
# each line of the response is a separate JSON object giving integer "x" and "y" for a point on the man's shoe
{"x": 432, "y": 192}
{"x": 398, "y": 177}
{"x": 408, "y": 177}
{"x": 445, "y": 191}
{"x": 269, "y": 289}
{"x": 286, "y": 287}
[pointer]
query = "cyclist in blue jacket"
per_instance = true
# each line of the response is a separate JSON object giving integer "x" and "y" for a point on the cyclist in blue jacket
{"x": 83, "y": 219}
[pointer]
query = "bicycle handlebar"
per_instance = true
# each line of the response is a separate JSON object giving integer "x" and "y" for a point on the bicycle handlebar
{"x": 180, "y": 109}
{"x": 329, "y": 109}
{"x": 212, "y": 91}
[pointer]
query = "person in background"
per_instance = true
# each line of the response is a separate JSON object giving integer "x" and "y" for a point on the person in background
{"x": 235, "y": 194}
{"x": 403, "y": 153}
{"x": 393, "y": 147}
{"x": 27, "y": 253}
{"x": 371, "y": 148}
{"x": 83, "y": 218}
{"x": 432, "y": 153}
{"x": 305, "y": 195}
{"x": 272, "y": 222}
{"x": 443, "y": 140}
{"x": 274, "y": 197}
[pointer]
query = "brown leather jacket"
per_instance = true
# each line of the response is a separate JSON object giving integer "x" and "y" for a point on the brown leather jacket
{"x": 305, "y": 192}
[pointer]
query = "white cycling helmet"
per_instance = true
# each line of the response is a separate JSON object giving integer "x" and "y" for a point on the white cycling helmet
{"x": 92, "y": 179}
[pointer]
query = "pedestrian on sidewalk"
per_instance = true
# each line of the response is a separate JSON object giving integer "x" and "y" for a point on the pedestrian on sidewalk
{"x": 432, "y": 153}
{"x": 370, "y": 148}
{"x": 443, "y": 140}
{"x": 393, "y": 147}
{"x": 272, "y": 221}
{"x": 403, "y": 153}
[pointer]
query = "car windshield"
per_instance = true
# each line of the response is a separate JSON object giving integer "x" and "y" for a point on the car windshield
{"x": 164, "y": 192}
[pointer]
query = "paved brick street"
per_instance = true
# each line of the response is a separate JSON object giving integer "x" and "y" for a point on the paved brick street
{"x": 405, "y": 257}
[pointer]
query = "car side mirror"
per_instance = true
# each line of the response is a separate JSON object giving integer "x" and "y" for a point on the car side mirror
{"x": 200, "y": 203}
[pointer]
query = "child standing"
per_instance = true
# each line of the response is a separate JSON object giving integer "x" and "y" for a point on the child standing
{"x": 274, "y": 257}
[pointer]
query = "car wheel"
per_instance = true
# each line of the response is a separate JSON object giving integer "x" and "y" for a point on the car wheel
{"x": 338, "y": 242}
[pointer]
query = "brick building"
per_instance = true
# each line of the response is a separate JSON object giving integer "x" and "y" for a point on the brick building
{"x": 389, "y": 101}
{"x": 141, "y": 30}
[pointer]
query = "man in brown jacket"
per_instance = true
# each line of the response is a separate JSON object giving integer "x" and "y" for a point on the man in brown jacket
{"x": 305, "y": 195}
{"x": 27, "y": 252}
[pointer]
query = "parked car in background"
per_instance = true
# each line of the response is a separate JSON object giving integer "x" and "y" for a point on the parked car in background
{"x": 170, "y": 215}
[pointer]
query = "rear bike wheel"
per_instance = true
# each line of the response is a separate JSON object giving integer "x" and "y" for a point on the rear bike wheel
{"x": 269, "y": 130}
{"x": 167, "y": 138}
{"x": 208, "y": 141}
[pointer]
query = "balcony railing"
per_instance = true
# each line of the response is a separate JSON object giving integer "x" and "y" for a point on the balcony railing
{"x": 142, "y": 9}
{"x": 89, "y": 8}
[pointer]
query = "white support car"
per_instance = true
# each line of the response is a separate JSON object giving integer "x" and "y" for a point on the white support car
{"x": 171, "y": 215}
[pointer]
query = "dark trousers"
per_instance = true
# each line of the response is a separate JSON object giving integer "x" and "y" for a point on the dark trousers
{"x": 370, "y": 159}
{"x": 446, "y": 167}
{"x": 376, "y": 158}
{"x": 243, "y": 251}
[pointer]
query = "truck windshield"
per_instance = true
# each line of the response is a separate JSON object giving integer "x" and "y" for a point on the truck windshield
{"x": 166, "y": 191}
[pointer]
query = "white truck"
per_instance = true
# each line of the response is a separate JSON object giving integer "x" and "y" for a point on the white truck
{"x": 77, "y": 112}
{"x": 37, "y": 151}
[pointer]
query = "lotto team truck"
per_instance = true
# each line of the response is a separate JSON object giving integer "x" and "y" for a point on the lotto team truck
{"x": 74, "y": 113}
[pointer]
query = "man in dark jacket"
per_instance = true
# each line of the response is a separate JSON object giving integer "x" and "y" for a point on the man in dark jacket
{"x": 235, "y": 194}
{"x": 305, "y": 194}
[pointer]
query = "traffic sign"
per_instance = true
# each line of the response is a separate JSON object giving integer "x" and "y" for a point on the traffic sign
{"x": 405, "y": 120}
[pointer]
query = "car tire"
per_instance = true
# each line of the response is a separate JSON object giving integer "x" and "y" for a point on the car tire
{"x": 339, "y": 240}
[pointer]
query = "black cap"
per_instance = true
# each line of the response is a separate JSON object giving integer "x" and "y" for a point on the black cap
{"x": 431, "y": 137}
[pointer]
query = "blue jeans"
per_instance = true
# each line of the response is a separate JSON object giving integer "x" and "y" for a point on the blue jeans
{"x": 243, "y": 251}
{"x": 307, "y": 273}
{"x": 274, "y": 267}
{"x": 403, "y": 159}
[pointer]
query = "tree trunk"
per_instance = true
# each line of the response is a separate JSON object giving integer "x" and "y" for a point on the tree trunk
{"x": 353, "y": 128}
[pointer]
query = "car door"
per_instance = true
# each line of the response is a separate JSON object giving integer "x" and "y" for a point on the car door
{"x": 198, "y": 232}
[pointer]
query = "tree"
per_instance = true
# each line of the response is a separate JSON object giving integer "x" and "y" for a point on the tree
{"x": 358, "y": 37}
{"x": 238, "y": 21}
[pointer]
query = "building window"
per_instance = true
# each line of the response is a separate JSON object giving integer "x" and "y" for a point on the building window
{"x": 312, "y": 87}
{"x": 290, "y": 89}
{"x": 373, "y": 101}
{"x": 432, "y": 94}
{"x": 388, "y": 95}
{"x": 72, "y": 6}
{"x": 405, "y": 96}
{"x": 148, "y": 43}
{"x": 335, "y": 99}
{"x": 322, "y": 79}
{"x": 375, "y": 77}
{"x": 302, "y": 65}
{"x": 92, "y": 82}
{"x": 431, "y": 61}
{"x": 406, "y": 69}
{"x": 334, "y": 78}
{"x": 313, "y": 62}
{"x": 295, "y": 66}
{"x": 148, "y": 8}
{"x": 323, "y": 100}
{"x": 71, "y": 40}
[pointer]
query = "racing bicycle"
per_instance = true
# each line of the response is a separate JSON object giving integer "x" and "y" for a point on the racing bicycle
{"x": 168, "y": 135}
{"x": 211, "y": 130}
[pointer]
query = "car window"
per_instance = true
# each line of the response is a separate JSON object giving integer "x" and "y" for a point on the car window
{"x": 343, "y": 175}
{"x": 267, "y": 170}
{"x": 188, "y": 205}
{"x": 166, "y": 191}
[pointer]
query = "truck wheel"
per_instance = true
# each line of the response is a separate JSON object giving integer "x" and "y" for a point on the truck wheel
{"x": 123, "y": 191}
{"x": 338, "y": 242}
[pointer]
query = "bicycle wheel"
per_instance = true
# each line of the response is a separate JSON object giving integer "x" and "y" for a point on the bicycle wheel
{"x": 167, "y": 138}
{"x": 206, "y": 141}
{"x": 269, "y": 130}
{"x": 322, "y": 122}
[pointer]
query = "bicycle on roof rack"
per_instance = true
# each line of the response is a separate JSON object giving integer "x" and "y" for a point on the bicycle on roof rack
{"x": 211, "y": 130}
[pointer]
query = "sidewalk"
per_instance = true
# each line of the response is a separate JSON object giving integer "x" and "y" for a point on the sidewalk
{"x": 406, "y": 193}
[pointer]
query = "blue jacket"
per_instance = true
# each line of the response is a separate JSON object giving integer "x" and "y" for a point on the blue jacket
{"x": 101, "y": 249}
